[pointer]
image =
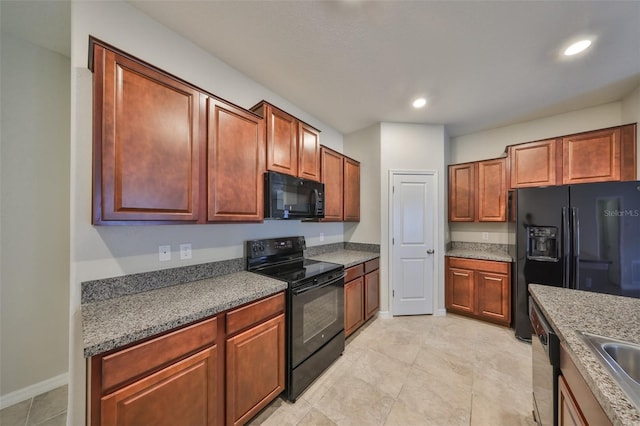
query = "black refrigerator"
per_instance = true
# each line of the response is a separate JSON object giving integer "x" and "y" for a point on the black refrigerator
{"x": 585, "y": 237}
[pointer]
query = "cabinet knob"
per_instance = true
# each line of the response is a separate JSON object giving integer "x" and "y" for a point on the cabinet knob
{"x": 430, "y": 251}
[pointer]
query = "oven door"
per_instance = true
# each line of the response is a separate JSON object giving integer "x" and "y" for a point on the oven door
{"x": 317, "y": 315}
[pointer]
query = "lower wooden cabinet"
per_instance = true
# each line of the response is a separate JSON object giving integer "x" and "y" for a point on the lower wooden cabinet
{"x": 479, "y": 288}
{"x": 361, "y": 294}
{"x": 220, "y": 370}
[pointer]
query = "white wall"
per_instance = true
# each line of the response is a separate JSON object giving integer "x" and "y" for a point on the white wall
{"x": 34, "y": 219}
{"x": 412, "y": 147}
{"x": 491, "y": 144}
{"x": 99, "y": 252}
{"x": 364, "y": 145}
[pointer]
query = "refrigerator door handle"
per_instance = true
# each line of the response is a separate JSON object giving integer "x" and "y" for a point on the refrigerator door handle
{"x": 566, "y": 248}
{"x": 575, "y": 249}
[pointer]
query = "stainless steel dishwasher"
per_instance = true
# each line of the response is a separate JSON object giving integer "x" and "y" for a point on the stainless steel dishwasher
{"x": 545, "y": 354}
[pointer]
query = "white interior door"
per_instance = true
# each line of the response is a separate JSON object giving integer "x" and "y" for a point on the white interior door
{"x": 412, "y": 243}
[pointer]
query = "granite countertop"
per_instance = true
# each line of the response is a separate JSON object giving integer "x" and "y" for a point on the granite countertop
{"x": 347, "y": 258}
{"x": 495, "y": 255}
{"x": 113, "y": 323}
{"x": 607, "y": 315}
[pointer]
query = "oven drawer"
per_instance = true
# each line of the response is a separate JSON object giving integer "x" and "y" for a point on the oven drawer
{"x": 255, "y": 312}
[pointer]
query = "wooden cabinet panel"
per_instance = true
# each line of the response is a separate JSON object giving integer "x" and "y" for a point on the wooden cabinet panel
{"x": 460, "y": 290}
{"x": 628, "y": 152}
{"x": 255, "y": 369}
{"x": 148, "y": 143}
{"x": 351, "y": 190}
{"x": 353, "y": 305}
{"x": 308, "y": 152}
{"x": 568, "y": 412}
{"x": 462, "y": 184}
{"x": 353, "y": 272}
{"x": 479, "y": 288}
{"x": 254, "y": 313}
{"x": 282, "y": 149}
{"x": 591, "y": 157}
{"x": 492, "y": 191}
{"x": 332, "y": 175}
{"x": 371, "y": 294}
{"x": 127, "y": 364}
{"x": 184, "y": 393}
{"x": 494, "y": 295}
{"x": 235, "y": 153}
{"x": 534, "y": 163}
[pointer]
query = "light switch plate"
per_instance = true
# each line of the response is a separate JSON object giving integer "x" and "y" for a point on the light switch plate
{"x": 164, "y": 253}
{"x": 185, "y": 251}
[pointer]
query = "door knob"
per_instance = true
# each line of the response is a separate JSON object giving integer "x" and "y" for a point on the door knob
{"x": 430, "y": 251}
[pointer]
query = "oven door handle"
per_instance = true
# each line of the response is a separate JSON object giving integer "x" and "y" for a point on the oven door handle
{"x": 303, "y": 290}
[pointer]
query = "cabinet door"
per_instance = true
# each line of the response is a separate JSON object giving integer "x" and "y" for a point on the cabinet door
{"x": 568, "y": 412}
{"x": 351, "y": 190}
{"x": 282, "y": 148}
{"x": 492, "y": 191}
{"x": 494, "y": 297}
{"x": 235, "y": 152}
{"x": 308, "y": 152}
{"x": 353, "y": 305}
{"x": 371, "y": 293}
{"x": 459, "y": 292}
{"x": 462, "y": 183}
{"x": 534, "y": 163}
{"x": 255, "y": 369}
{"x": 147, "y": 143}
{"x": 591, "y": 157}
{"x": 184, "y": 393}
{"x": 332, "y": 173}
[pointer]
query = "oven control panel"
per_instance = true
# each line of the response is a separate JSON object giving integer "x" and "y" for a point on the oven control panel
{"x": 275, "y": 246}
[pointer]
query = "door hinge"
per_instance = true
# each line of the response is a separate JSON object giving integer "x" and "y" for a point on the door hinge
{"x": 393, "y": 241}
{"x": 393, "y": 293}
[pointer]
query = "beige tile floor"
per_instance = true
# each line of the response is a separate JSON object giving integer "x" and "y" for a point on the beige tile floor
{"x": 400, "y": 371}
{"x": 419, "y": 370}
{"x": 48, "y": 409}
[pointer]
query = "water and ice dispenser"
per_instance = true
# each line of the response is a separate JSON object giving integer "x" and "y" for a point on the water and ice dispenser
{"x": 543, "y": 244}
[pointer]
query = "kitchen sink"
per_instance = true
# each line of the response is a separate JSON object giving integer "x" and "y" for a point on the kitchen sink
{"x": 621, "y": 359}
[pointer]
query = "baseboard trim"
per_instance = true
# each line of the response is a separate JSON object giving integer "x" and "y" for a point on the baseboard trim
{"x": 440, "y": 312}
{"x": 385, "y": 314}
{"x": 33, "y": 390}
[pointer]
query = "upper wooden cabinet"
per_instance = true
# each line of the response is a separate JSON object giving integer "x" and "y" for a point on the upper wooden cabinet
{"x": 148, "y": 141}
{"x": 478, "y": 191}
{"x": 341, "y": 178}
{"x": 534, "y": 163}
{"x": 595, "y": 156}
{"x": 235, "y": 154}
{"x": 293, "y": 147}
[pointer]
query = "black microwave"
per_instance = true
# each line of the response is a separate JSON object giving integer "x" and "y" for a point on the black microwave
{"x": 289, "y": 197}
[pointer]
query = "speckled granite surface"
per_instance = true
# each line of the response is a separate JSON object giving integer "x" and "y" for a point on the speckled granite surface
{"x": 612, "y": 316}
{"x": 482, "y": 251}
{"x": 346, "y": 257}
{"x": 112, "y": 323}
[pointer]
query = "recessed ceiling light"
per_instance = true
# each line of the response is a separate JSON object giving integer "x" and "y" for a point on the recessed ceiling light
{"x": 419, "y": 103}
{"x": 577, "y": 47}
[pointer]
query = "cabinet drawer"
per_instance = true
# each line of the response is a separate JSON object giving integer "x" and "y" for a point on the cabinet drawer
{"x": 138, "y": 360}
{"x": 371, "y": 265}
{"x": 254, "y": 313}
{"x": 354, "y": 272}
{"x": 480, "y": 265}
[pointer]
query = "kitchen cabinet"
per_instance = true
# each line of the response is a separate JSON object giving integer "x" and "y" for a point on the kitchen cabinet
{"x": 576, "y": 403}
{"x": 293, "y": 147}
{"x": 255, "y": 358}
{"x": 599, "y": 156}
{"x": 361, "y": 294}
{"x": 148, "y": 142}
{"x": 341, "y": 177}
{"x": 479, "y": 288}
{"x": 535, "y": 163}
{"x": 478, "y": 191}
{"x": 595, "y": 156}
{"x": 220, "y": 370}
{"x": 235, "y": 157}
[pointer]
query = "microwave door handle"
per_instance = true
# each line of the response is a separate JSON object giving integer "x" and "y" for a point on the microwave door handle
{"x": 314, "y": 201}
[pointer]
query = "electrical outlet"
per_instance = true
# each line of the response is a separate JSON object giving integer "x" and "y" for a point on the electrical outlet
{"x": 185, "y": 251}
{"x": 164, "y": 253}
{"x": 322, "y": 236}
{"x": 485, "y": 236}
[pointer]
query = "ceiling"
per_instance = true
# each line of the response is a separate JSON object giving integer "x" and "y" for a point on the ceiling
{"x": 353, "y": 63}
